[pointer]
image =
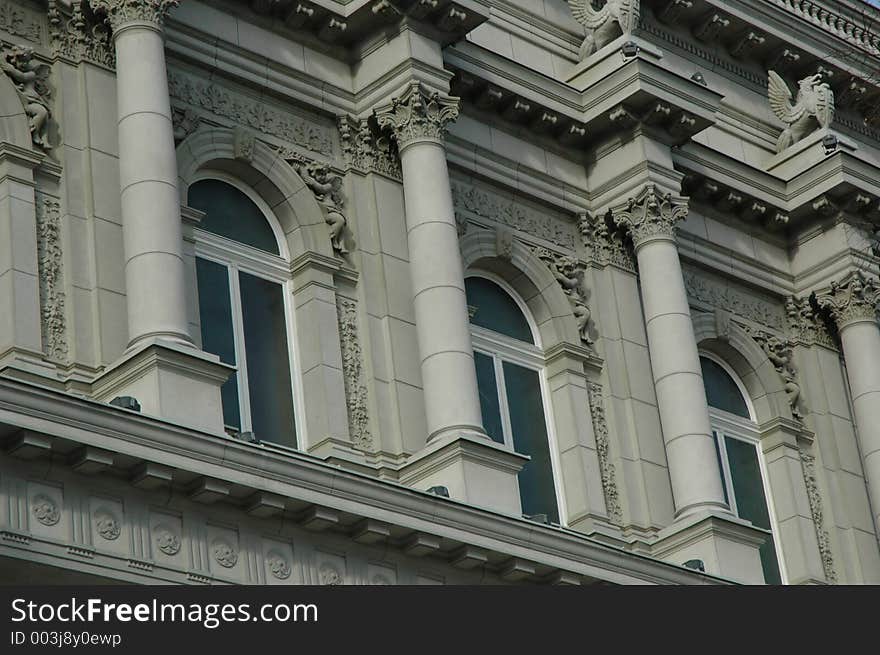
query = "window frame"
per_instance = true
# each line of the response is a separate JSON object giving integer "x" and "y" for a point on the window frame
{"x": 500, "y": 348}
{"x": 238, "y": 257}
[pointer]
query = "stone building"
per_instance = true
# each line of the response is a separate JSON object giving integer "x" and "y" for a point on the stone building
{"x": 439, "y": 291}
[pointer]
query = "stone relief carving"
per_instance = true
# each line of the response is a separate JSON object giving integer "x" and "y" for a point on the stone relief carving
{"x": 805, "y": 326}
{"x": 250, "y": 112}
{"x": 278, "y": 565}
{"x": 49, "y": 260}
{"x": 46, "y": 510}
{"x": 327, "y": 189}
{"x": 719, "y": 294}
{"x": 29, "y": 77}
{"x": 80, "y": 35}
{"x": 651, "y": 213}
{"x": 813, "y": 107}
{"x": 507, "y": 211}
{"x": 243, "y": 144}
{"x": 852, "y": 299}
{"x": 571, "y": 276}
{"x": 107, "y": 524}
{"x": 120, "y": 12}
{"x": 167, "y": 539}
{"x": 353, "y": 368}
{"x": 605, "y": 24}
{"x": 18, "y": 21}
{"x": 329, "y": 575}
{"x": 606, "y": 466}
{"x": 224, "y": 553}
{"x": 366, "y": 149}
{"x": 185, "y": 121}
{"x": 418, "y": 113}
{"x": 780, "y": 352}
{"x": 808, "y": 464}
{"x": 604, "y": 245}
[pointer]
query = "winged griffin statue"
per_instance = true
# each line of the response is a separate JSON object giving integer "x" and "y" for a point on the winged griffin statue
{"x": 813, "y": 108}
{"x": 603, "y": 25}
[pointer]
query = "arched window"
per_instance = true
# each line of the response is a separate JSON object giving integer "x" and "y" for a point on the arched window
{"x": 738, "y": 446}
{"x": 510, "y": 379}
{"x": 242, "y": 307}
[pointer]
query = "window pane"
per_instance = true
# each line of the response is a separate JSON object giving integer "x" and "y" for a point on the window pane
{"x": 530, "y": 438}
{"x": 215, "y": 312}
{"x": 231, "y": 214}
{"x": 751, "y": 503}
{"x": 488, "y": 387}
{"x": 721, "y": 467}
{"x": 268, "y": 362}
{"x": 492, "y": 308}
{"x": 721, "y": 391}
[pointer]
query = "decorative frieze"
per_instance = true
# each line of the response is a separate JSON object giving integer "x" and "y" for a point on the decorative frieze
{"x": 29, "y": 76}
{"x": 808, "y": 465}
{"x": 650, "y": 214}
{"x": 853, "y": 299}
{"x": 122, "y": 12}
{"x": 471, "y": 200}
{"x": 49, "y": 261}
{"x": 79, "y": 35}
{"x": 720, "y": 294}
{"x": 250, "y": 112}
{"x": 571, "y": 276}
{"x": 603, "y": 25}
{"x": 606, "y": 466}
{"x": 418, "y": 114}
{"x": 354, "y": 374}
{"x": 368, "y": 150}
{"x": 18, "y": 21}
{"x": 813, "y": 107}
{"x": 605, "y": 245}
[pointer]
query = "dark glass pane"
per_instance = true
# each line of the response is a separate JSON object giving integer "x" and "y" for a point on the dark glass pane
{"x": 488, "y": 387}
{"x": 492, "y": 308}
{"x": 721, "y": 391}
{"x": 530, "y": 438}
{"x": 231, "y": 214}
{"x": 215, "y": 315}
{"x": 268, "y": 362}
{"x": 751, "y": 503}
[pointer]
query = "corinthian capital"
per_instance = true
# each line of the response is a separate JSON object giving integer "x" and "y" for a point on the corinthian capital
{"x": 418, "y": 115}
{"x": 121, "y": 12}
{"x": 650, "y": 214}
{"x": 851, "y": 300}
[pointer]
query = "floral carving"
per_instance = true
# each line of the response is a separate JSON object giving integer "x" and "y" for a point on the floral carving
{"x": 722, "y": 295}
{"x": 49, "y": 260}
{"x": 367, "y": 150}
{"x": 805, "y": 325}
{"x": 80, "y": 35}
{"x": 605, "y": 245}
{"x": 249, "y": 112}
{"x": 29, "y": 77}
{"x": 353, "y": 368}
{"x": 278, "y": 565}
{"x": 167, "y": 539}
{"x": 224, "y": 553}
{"x": 107, "y": 524}
{"x": 329, "y": 576}
{"x": 851, "y": 300}
{"x": 650, "y": 214}
{"x": 571, "y": 276}
{"x": 808, "y": 464}
{"x": 606, "y": 466}
{"x": 46, "y": 510}
{"x": 18, "y": 22}
{"x": 603, "y": 25}
{"x": 121, "y": 12}
{"x": 418, "y": 114}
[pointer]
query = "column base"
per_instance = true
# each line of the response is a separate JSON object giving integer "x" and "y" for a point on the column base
{"x": 169, "y": 381}
{"x": 475, "y": 470}
{"x": 726, "y": 545}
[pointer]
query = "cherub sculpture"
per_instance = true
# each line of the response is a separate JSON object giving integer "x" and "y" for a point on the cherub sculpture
{"x": 780, "y": 354}
{"x": 813, "y": 107}
{"x": 327, "y": 188}
{"x": 23, "y": 69}
{"x": 603, "y": 25}
{"x": 570, "y": 275}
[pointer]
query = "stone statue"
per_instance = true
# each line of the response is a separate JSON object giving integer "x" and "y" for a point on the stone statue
{"x": 327, "y": 189}
{"x": 570, "y": 275}
{"x": 603, "y": 25}
{"x": 780, "y": 354}
{"x": 813, "y": 107}
{"x": 23, "y": 69}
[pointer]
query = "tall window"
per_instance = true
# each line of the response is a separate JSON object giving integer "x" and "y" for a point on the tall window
{"x": 738, "y": 446}
{"x": 242, "y": 305}
{"x": 510, "y": 380}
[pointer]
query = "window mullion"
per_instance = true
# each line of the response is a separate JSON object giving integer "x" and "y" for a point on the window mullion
{"x": 726, "y": 474}
{"x": 240, "y": 351}
{"x": 502, "y": 402}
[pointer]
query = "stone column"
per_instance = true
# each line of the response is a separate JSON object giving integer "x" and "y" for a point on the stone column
{"x": 852, "y": 304}
{"x": 650, "y": 219}
{"x": 155, "y": 279}
{"x": 418, "y": 120}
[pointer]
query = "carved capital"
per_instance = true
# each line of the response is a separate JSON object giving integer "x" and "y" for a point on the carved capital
{"x": 650, "y": 214}
{"x": 418, "y": 114}
{"x": 122, "y": 12}
{"x": 851, "y": 300}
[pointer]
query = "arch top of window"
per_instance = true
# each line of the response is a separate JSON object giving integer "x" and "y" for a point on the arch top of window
{"x": 492, "y": 307}
{"x": 231, "y": 213}
{"x": 723, "y": 390}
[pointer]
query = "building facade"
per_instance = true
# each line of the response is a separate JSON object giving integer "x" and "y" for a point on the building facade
{"x": 439, "y": 291}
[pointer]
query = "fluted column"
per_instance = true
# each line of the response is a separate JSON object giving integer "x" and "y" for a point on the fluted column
{"x": 650, "y": 219}
{"x": 852, "y": 304}
{"x": 154, "y": 269}
{"x": 418, "y": 120}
